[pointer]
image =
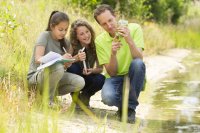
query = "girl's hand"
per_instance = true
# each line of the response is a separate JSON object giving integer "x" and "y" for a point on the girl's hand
{"x": 67, "y": 56}
{"x": 88, "y": 71}
{"x": 81, "y": 56}
{"x": 67, "y": 64}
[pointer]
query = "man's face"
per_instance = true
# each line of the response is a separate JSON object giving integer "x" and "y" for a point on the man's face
{"x": 108, "y": 22}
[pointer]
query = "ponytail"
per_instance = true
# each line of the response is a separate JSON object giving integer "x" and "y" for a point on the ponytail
{"x": 55, "y": 18}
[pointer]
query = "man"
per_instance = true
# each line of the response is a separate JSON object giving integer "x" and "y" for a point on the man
{"x": 120, "y": 58}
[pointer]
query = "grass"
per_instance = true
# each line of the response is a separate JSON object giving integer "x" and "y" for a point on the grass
{"x": 21, "y": 23}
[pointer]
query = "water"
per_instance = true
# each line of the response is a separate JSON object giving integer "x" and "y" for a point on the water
{"x": 175, "y": 106}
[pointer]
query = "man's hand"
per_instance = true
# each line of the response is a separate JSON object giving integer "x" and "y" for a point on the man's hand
{"x": 115, "y": 47}
{"x": 124, "y": 32}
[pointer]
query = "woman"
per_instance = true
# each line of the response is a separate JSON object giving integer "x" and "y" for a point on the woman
{"x": 83, "y": 50}
{"x": 54, "y": 77}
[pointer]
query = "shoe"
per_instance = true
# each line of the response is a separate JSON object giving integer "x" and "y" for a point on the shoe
{"x": 131, "y": 116}
{"x": 84, "y": 99}
{"x": 119, "y": 114}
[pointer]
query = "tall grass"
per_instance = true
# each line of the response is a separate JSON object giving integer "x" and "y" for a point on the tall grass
{"x": 21, "y": 23}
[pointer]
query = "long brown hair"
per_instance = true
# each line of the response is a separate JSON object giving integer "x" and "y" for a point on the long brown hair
{"x": 55, "y": 18}
{"x": 73, "y": 35}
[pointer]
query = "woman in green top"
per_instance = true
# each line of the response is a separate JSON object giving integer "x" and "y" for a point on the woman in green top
{"x": 83, "y": 49}
{"x": 55, "y": 77}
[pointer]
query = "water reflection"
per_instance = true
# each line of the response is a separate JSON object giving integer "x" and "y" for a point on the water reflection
{"x": 176, "y": 103}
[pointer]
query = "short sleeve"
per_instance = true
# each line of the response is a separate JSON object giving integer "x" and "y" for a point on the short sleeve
{"x": 101, "y": 54}
{"x": 42, "y": 39}
{"x": 137, "y": 35}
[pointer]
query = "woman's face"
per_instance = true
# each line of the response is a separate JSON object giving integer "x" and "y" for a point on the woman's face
{"x": 83, "y": 35}
{"x": 59, "y": 31}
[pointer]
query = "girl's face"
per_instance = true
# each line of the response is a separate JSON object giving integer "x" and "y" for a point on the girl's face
{"x": 83, "y": 35}
{"x": 59, "y": 31}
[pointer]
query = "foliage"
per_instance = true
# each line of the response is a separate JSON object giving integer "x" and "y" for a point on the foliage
{"x": 167, "y": 11}
{"x": 8, "y": 21}
{"x": 132, "y": 9}
{"x": 163, "y": 11}
{"x": 8, "y": 25}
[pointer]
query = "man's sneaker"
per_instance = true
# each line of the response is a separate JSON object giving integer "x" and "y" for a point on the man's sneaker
{"x": 131, "y": 116}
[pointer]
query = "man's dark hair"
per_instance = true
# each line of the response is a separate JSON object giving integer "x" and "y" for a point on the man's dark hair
{"x": 102, "y": 8}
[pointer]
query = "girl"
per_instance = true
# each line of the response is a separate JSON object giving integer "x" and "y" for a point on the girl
{"x": 53, "y": 39}
{"x": 82, "y": 35}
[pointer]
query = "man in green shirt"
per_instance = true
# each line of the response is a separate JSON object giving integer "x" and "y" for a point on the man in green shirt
{"x": 119, "y": 49}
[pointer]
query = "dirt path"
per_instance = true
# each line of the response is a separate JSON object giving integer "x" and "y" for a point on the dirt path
{"x": 158, "y": 67}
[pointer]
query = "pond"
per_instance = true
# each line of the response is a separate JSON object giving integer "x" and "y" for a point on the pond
{"x": 175, "y": 104}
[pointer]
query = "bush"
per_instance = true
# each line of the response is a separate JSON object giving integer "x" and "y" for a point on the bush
{"x": 167, "y": 11}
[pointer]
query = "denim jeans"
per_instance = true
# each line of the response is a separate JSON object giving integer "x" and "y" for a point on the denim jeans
{"x": 113, "y": 86}
{"x": 93, "y": 82}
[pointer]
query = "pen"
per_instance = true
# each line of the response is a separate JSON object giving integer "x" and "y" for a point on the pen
{"x": 64, "y": 49}
{"x": 65, "y": 52}
{"x": 82, "y": 49}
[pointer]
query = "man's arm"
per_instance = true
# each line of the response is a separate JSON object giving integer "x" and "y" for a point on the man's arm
{"x": 112, "y": 66}
{"x": 135, "y": 51}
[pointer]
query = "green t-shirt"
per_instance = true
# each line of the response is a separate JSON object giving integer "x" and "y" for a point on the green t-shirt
{"x": 45, "y": 39}
{"x": 104, "y": 43}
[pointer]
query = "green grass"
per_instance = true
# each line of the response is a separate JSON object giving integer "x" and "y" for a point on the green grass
{"x": 21, "y": 23}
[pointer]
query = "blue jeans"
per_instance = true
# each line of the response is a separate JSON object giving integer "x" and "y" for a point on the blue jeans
{"x": 113, "y": 86}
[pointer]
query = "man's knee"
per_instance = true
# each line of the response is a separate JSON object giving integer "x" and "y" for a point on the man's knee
{"x": 108, "y": 98}
{"x": 137, "y": 65}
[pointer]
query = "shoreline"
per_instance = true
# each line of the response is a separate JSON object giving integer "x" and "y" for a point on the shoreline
{"x": 158, "y": 66}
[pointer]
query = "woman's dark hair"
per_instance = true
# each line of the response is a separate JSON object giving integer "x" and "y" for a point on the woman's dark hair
{"x": 55, "y": 18}
{"x": 73, "y": 35}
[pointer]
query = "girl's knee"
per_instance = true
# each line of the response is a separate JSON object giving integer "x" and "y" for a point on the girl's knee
{"x": 79, "y": 82}
{"x": 100, "y": 79}
{"x": 58, "y": 69}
